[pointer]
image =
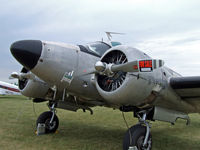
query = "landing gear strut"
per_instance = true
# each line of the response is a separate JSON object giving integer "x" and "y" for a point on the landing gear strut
{"x": 49, "y": 119}
{"x": 138, "y": 137}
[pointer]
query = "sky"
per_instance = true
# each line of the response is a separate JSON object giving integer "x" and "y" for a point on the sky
{"x": 164, "y": 29}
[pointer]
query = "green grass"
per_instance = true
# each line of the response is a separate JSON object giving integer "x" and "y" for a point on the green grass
{"x": 81, "y": 131}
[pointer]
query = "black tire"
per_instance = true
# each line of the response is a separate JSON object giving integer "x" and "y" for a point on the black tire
{"x": 45, "y": 118}
{"x": 138, "y": 133}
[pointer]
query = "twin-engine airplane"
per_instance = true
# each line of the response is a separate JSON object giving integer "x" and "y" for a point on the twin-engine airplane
{"x": 106, "y": 74}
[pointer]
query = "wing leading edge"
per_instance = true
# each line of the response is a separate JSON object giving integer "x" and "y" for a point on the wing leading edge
{"x": 186, "y": 87}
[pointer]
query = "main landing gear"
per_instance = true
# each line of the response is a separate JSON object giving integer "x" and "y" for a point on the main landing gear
{"x": 138, "y": 137}
{"x": 49, "y": 119}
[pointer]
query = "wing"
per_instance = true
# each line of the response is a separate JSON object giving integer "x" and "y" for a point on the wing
{"x": 188, "y": 88}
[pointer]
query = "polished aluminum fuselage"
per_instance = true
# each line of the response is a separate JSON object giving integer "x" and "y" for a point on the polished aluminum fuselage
{"x": 57, "y": 59}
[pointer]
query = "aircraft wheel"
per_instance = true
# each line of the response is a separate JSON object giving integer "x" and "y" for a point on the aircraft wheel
{"x": 45, "y": 118}
{"x": 138, "y": 133}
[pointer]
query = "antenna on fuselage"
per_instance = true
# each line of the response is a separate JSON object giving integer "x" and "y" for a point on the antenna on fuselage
{"x": 109, "y": 34}
{"x": 110, "y": 42}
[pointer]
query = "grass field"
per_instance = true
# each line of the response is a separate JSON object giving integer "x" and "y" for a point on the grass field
{"x": 81, "y": 131}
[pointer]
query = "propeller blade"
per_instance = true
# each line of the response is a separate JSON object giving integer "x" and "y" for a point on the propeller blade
{"x": 28, "y": 75}
{"x": 99, "y": 67}
{"x": 16, "y": 75}
{"x": 127, "y": 67}
{"x": 138, "y": 66}
{"x": 87, "y": 73}
{"x": 147, "y": 65}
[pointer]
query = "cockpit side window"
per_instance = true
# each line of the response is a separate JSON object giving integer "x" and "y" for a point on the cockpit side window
{"x": 96, "y": 48}
{"x": 114, "y": 43}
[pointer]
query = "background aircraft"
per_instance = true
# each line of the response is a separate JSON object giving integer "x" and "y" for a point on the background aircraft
{"x": 8, "y": 89}
{"x": 106, "y": 74}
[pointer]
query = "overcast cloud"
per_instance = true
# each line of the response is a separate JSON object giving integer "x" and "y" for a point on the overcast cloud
{"x": 166, "y": 29}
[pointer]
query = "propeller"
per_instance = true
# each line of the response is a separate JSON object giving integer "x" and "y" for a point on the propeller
{"x": 15, "y": 75}
{"x": 147, "y": 65}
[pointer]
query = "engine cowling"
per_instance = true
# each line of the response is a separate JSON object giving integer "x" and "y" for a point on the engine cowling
{"x": 123, "y": 88}
{"x": 33, "y": 88}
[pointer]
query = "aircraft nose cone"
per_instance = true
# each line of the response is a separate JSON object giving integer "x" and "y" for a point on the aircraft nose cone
{"x": 27, "y": 52}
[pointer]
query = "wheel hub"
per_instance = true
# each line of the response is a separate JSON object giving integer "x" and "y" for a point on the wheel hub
{"x": 49, "y": 125}
{"x": 140, "y": 143}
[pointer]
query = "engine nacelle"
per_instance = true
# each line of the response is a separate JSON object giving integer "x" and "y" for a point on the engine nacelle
{"x": 33, "y": 88}
{"x": 123, "y": 88}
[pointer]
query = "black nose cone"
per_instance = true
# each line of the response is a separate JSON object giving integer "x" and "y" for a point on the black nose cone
{"x": 27, "y": 52}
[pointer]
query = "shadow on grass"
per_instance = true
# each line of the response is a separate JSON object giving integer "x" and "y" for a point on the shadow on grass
{"x": 98, "y": 137}
{"x": 166, "y": 138}
{"x": 88, "y": 134}
{"x": 163, "y": 139}
{"x": 92, "y": 134}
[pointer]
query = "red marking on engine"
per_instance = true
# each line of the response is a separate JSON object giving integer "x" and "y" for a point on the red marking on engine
{"x": 135, "y": 67}
{"x": 145, "y": 64}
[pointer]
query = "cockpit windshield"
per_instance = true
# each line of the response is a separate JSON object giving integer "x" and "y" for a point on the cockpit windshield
{"x": 95, "y": 48}
{"x": 98, "y": 47}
